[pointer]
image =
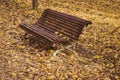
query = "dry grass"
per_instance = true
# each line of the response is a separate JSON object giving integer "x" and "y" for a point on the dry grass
{"x": 21, "y": 58}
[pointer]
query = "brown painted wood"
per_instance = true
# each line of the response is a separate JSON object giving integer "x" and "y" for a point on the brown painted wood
{"x": 53, "y": 21}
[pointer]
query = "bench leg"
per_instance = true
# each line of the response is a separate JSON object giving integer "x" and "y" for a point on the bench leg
{"x": 56, "y": 52}
{"x": 73, "y": 50}
{"x": 68, "y": 48}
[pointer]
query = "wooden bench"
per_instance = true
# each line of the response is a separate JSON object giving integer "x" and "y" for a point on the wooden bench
{"x": 54, "y": 27}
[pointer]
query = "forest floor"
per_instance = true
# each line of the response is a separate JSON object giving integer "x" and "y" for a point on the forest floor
{"x": 99, "y": 56}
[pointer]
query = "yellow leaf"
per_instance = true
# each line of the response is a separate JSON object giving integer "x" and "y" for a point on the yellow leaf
{"x": 21, "y": 46}
{"x": 30, "y": 75}
{"x": 11, "y": 41}
{"x": 64, "y": 37}
{"x": 14, "y": 74}
{"x": 68, "y": 38}
{"x": 1, "y": 33}
{"x": 62, "y": 78}
{"x": 57, "y": 33}
{"x": 8, "y": 43}
{"x": 15, "y": 63}
{"x": 117, "y": 77}
{"x": 116, "y": 55}
{"x": 118, "y": 42}
{"x": 19, "y": 0}
{"x": 26, "y": 79}
{"x": 51, "y": 51}
{"x": 58, "y": 73}
{"x": 60, "y": 35}
{"x": 82, "y": 72}
{"x": 97, "y": 57}
{"x": 74, "y": 76}
{"x": 41, "y": 59}
{"x": 110, "y": 65}
{"x": 69, "y": 73}
{"x": 51, "y": 77}
{"x": 71, "y": 55}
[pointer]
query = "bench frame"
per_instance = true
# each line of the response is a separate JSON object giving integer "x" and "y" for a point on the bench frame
{"x": 56, "y": 28}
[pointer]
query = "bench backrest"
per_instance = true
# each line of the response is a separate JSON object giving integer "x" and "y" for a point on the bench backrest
{"x": 68, "y": 25}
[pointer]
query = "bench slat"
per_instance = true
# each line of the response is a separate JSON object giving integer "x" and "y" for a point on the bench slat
{"x": 66, "y": 17}
{"x": 46, "y": 34}
{"x": 59, "y": 27}
{"x": 56, "y": 29}
{"x": 63, "y": 19}
{"x": 49, "y": 27}
{"x": 61, "y": 23}
{"x": 69, "y": 16}
{"x": 32, "y": 32}
{"x": 39, "y": 31}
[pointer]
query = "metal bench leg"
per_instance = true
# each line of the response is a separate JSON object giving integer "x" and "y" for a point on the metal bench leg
{"x": 56, "y": 52}
{"x": 68, "y": 48}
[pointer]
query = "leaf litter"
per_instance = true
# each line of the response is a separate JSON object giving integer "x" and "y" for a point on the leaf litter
{"x": 21, "y": 58}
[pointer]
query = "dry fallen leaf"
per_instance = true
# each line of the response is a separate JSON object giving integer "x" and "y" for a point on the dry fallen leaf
{"x": 26, "y": 79}
{"x": 97, "y": 57}
{"x": 82, "y": 72}
{"x": 30, "y": 75}
{"x": 14, "y": 74}
{"x": 96, "y": 40}
{"x": 21, "y": 47}
{"x": 51, "y": 51}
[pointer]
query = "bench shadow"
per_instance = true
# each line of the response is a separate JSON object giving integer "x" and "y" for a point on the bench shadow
{"x": 35, "y": 42}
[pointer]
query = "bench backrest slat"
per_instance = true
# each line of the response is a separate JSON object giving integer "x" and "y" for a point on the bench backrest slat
{"x": 65, "y": 21}
{"x": 53, "y": 28}
{"x": 67, "y": 17}
{"x": 65, "y": 24}
{"x": 61, "y": 26}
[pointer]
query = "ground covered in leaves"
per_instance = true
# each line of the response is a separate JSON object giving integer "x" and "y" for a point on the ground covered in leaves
{"x": 99, "y": 56}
